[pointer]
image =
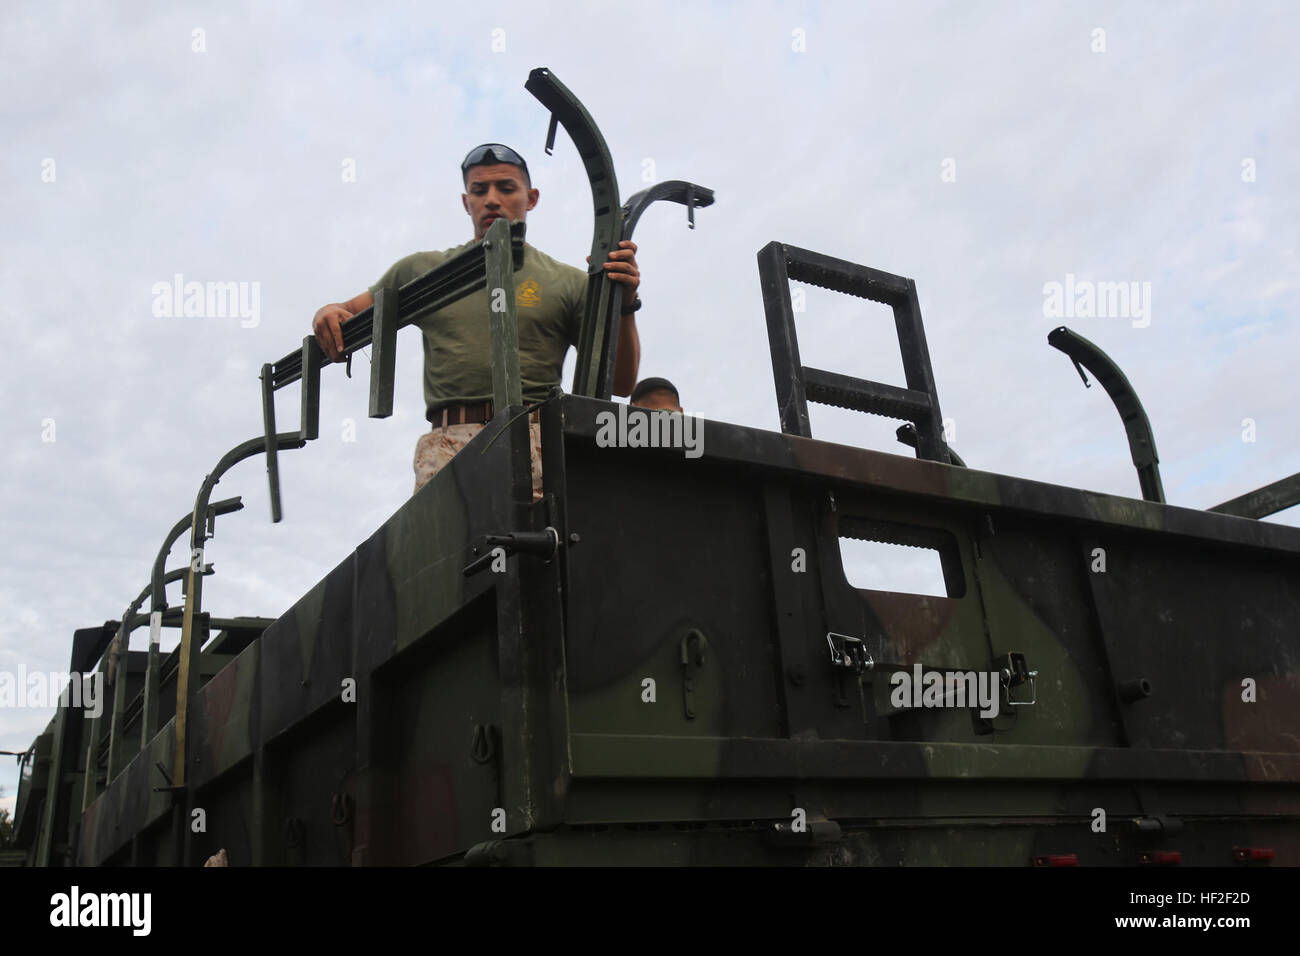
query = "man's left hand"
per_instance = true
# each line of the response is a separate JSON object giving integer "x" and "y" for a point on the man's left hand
{"x": 622, "y": 269}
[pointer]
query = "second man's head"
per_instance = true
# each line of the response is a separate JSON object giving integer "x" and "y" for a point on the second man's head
{"x": 656, "y": 393}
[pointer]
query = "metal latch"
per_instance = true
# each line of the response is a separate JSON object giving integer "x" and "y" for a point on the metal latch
{"x": 849, "y": 653}
{"x": 542, "y": 544}
{"x": 1014, "y": 672}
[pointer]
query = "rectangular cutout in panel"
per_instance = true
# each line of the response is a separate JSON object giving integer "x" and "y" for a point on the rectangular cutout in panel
{"x": 888, "y": 556}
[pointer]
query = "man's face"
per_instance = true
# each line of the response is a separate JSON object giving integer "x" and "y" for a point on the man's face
{"x": 661, "y": 399}
{"x": 496, "y": 192}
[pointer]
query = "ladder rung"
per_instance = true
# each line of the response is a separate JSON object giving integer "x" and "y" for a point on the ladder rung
{"x": 838, "y": 275}
{"x": 844, "y": 391}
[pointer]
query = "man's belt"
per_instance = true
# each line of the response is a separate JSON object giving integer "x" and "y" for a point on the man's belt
{"x": 469, "y": 415}
{"x": 462, "y": 415}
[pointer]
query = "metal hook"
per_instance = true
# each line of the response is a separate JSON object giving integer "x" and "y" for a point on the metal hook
{"x": 1079, "y": 369}
{"x": 550, "y": 134}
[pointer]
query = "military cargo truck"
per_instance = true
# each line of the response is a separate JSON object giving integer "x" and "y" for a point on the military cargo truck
{"x": 664, "y": 661}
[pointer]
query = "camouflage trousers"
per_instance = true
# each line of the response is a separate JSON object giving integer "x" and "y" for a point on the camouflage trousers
{"x": 437, "y": 447}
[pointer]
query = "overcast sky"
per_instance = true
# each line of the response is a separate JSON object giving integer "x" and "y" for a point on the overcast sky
{"x": 983, "y": 149}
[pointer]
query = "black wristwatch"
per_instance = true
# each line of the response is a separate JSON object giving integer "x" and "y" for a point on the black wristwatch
{"x": 629, "y": 309}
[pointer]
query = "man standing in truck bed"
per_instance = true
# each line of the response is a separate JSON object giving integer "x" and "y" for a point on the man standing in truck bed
{"x": 457, "y": 344}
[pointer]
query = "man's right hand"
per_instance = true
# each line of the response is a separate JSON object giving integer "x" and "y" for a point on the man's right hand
{"x": 327, "y": 327}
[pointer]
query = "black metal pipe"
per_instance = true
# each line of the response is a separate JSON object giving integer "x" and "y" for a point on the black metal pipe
{"x": 157, "y": 589}
{"x": 1141, "y": 439}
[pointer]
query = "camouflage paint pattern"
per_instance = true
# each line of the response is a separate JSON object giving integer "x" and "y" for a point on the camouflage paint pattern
{"x": 526, "y": 690}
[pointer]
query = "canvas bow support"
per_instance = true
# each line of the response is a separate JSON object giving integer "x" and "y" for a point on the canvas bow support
{"x": 598, "y": 341}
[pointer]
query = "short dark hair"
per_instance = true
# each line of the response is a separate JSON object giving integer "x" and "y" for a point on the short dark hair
{"x": 647, "y": 385}
{"x": 490, "y": 154}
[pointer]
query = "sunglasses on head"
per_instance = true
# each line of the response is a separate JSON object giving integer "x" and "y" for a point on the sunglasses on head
{"x": 490, "y": 153}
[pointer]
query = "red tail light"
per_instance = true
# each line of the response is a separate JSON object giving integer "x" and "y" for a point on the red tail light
{"x": 1057, "y": 859}
{"x": 1253, "y": 854}
{"x": 1161, "y": 857}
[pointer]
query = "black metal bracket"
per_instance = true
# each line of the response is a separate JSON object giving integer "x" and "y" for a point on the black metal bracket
{"x": 673, "y": 190}
{"x": 503, "y": 323}
{"x": 171, "y": 787}
{"x": 598, "y": 339}
{"x": 1141, "y": 440}
{"x": 542, "y": 544}
{"x": 598, "y": 342}
{"x": 156, "y": 591}
{"x": 796, "y": 384}
{"x": 1264, "y": 501}
{"x": 377, "y": 326}
{"x": 906, "y": 434}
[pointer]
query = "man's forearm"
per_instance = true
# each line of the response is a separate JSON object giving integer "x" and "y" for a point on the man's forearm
{"x": 628, "y": 362}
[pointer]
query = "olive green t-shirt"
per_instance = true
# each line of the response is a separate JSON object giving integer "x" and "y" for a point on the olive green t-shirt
{"x": 549, "y": 298}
